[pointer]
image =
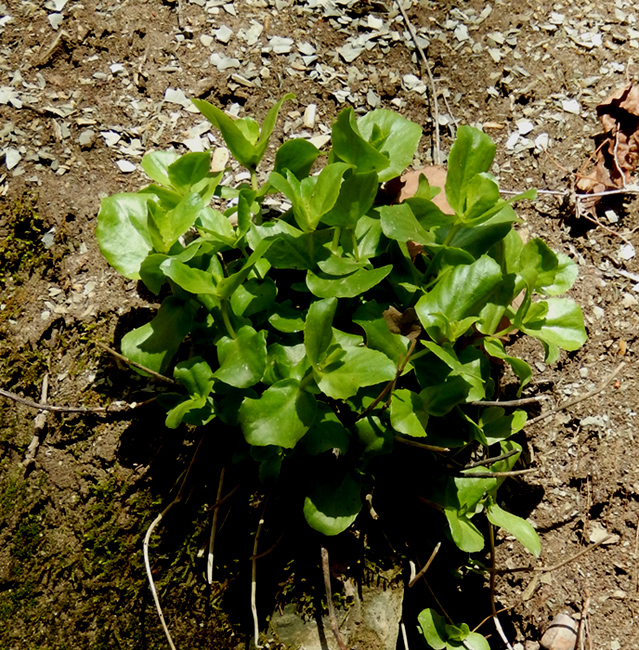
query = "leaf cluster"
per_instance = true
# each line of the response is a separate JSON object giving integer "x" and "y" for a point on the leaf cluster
{"x": 325, "y": 332}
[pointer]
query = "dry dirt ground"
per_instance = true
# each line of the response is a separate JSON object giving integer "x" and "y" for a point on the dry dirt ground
{"x": 85, "y": 89}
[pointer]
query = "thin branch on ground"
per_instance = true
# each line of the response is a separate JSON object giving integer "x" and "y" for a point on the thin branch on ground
{"x": 426, "y": 566}
{"x": 513, "y": 472}
{"x": 636, "y": 575}
{"x": 216, "y": 510}
{"x": 115, "y": 407}
{"x": 572, "y": 402}
{"x": 147, "y": 539}
{"x": 404, "y": 635}
{"x": 326, "y": 570}
{"x": 139, "y": 366}
{"x": 420, "y": 445}
{"x": 494, "y": 459}
{"x": 493, "y": 609}
{"x": 583, "y": 621}
{"x": 512, "y": 402}
{"x": 39, "y": 425}
{"x": 554, "y": 567}
{"x": 433, "y": 90}
{"x": 254, "y": 556}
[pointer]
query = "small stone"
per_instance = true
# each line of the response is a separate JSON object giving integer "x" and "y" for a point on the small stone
{"x": 461, "y": 33}
{"x": 611, "y": 215}
{"x": 116, "y": 68}
{"x": 206, "y": 40}
{"x": 561, "y": 634}
{"x": 125, "y": 166}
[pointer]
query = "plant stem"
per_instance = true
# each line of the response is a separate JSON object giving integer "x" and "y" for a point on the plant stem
{"x": 336, "y": 237}
{"x": 453, "y": 231}
{"x": 227, "y": 321}
{"x": 355, "y": 247}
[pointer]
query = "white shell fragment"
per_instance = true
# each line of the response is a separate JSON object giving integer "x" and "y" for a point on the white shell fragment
{"x": 571, "y": 106}
{"x": 223, "y": 34}
{"x": 309, "y": 116}
{"x": 55, "y": 20}
{"x": 125, "y": 166}
{"x": 11, "y": 157}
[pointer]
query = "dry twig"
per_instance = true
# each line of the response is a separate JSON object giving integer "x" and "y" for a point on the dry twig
{"x": 39, "y": 425}
{"x": 139, "y": 366}
{"x": 326, "y": 570}
{"x": 147, "y": 539}
{"x": 433, "y": 91}
{"x": 256, "y": 623}
{"x": 572, "y": 402}
{"x": 426, "y": 566}
{"x": 216, "y": 510}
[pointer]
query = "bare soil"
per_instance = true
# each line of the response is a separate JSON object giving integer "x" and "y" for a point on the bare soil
{"x": 72, "y": 524}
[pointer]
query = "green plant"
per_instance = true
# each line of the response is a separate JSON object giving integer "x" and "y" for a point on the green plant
{"x": 322, "y": 333}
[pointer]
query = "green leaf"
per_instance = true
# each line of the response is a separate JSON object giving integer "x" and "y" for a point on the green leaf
{"x": 253, "y": 296}
{"x": 326, "y": 434}
{"x": 318, "y": 330}
{"x": 464, "y": 533}
{"x": 195, "y": 375}
{"x": 495, "y": 348}
{"x": 172, "y": 224}
{"x": 156, "y": 165}
{"x": 280, "y": 416}
{"x": 433, "y": 628}
{"x": 546, "y": 272}
{"x": 375, "y": 438}
{"x": 216, "y": 224}
{"x": 498, "y": 426}
{"x": 461, "y": 293}
{"x": 153, "y": 345}
{"x": 472, "y": 153}
{"x": 227, "y": 286}
{"x": 151, "y": 273}
{"x": 285, "y": 362}
{"x": 241, "y": 136}
{"x": 408, "y": 414}
{"x": 482, "y": 194}
{"x": 356, "y": 197}
{"x": 333, "y": 505}
{"x": 399, "y": 223}
{"x": 359, "y": 367}
{"x": 123, "y": 233}
{"x": 475, "y": 641}
{"x": 561, "y": 326}
{"x": 346, "y": 286}
{"x": 192, "y": 280}
{"x": 243, "y": 359}
{"x": 351, "y": 147}
{"x": 188, "y": 170}
{"x": 516, "y": 526}
{"x": 298, "y": 156}
{"x": 285, "y": 318}
{"x": 392, "y": 135}
{"x": 369, "y": 317}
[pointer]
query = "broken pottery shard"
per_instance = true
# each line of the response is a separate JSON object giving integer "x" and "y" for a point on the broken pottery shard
{"x": 561, "y": 635}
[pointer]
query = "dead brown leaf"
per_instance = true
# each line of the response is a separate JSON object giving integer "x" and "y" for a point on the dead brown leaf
{"x": 618, "y": 148}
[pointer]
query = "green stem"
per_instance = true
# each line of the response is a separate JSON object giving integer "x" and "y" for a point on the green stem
{"x": 355, "y": 248}
{"x": 336, "y": 237}
{"x": 307, "y": 380}
{"x": 310, "y": 244}
{"x": 227, "y": 321}
{"x": 453, "y": 231}
{"x": 255, "y": 188}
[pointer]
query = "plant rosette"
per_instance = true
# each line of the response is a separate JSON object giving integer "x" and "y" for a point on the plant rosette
{"x": 324, "y": 333}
